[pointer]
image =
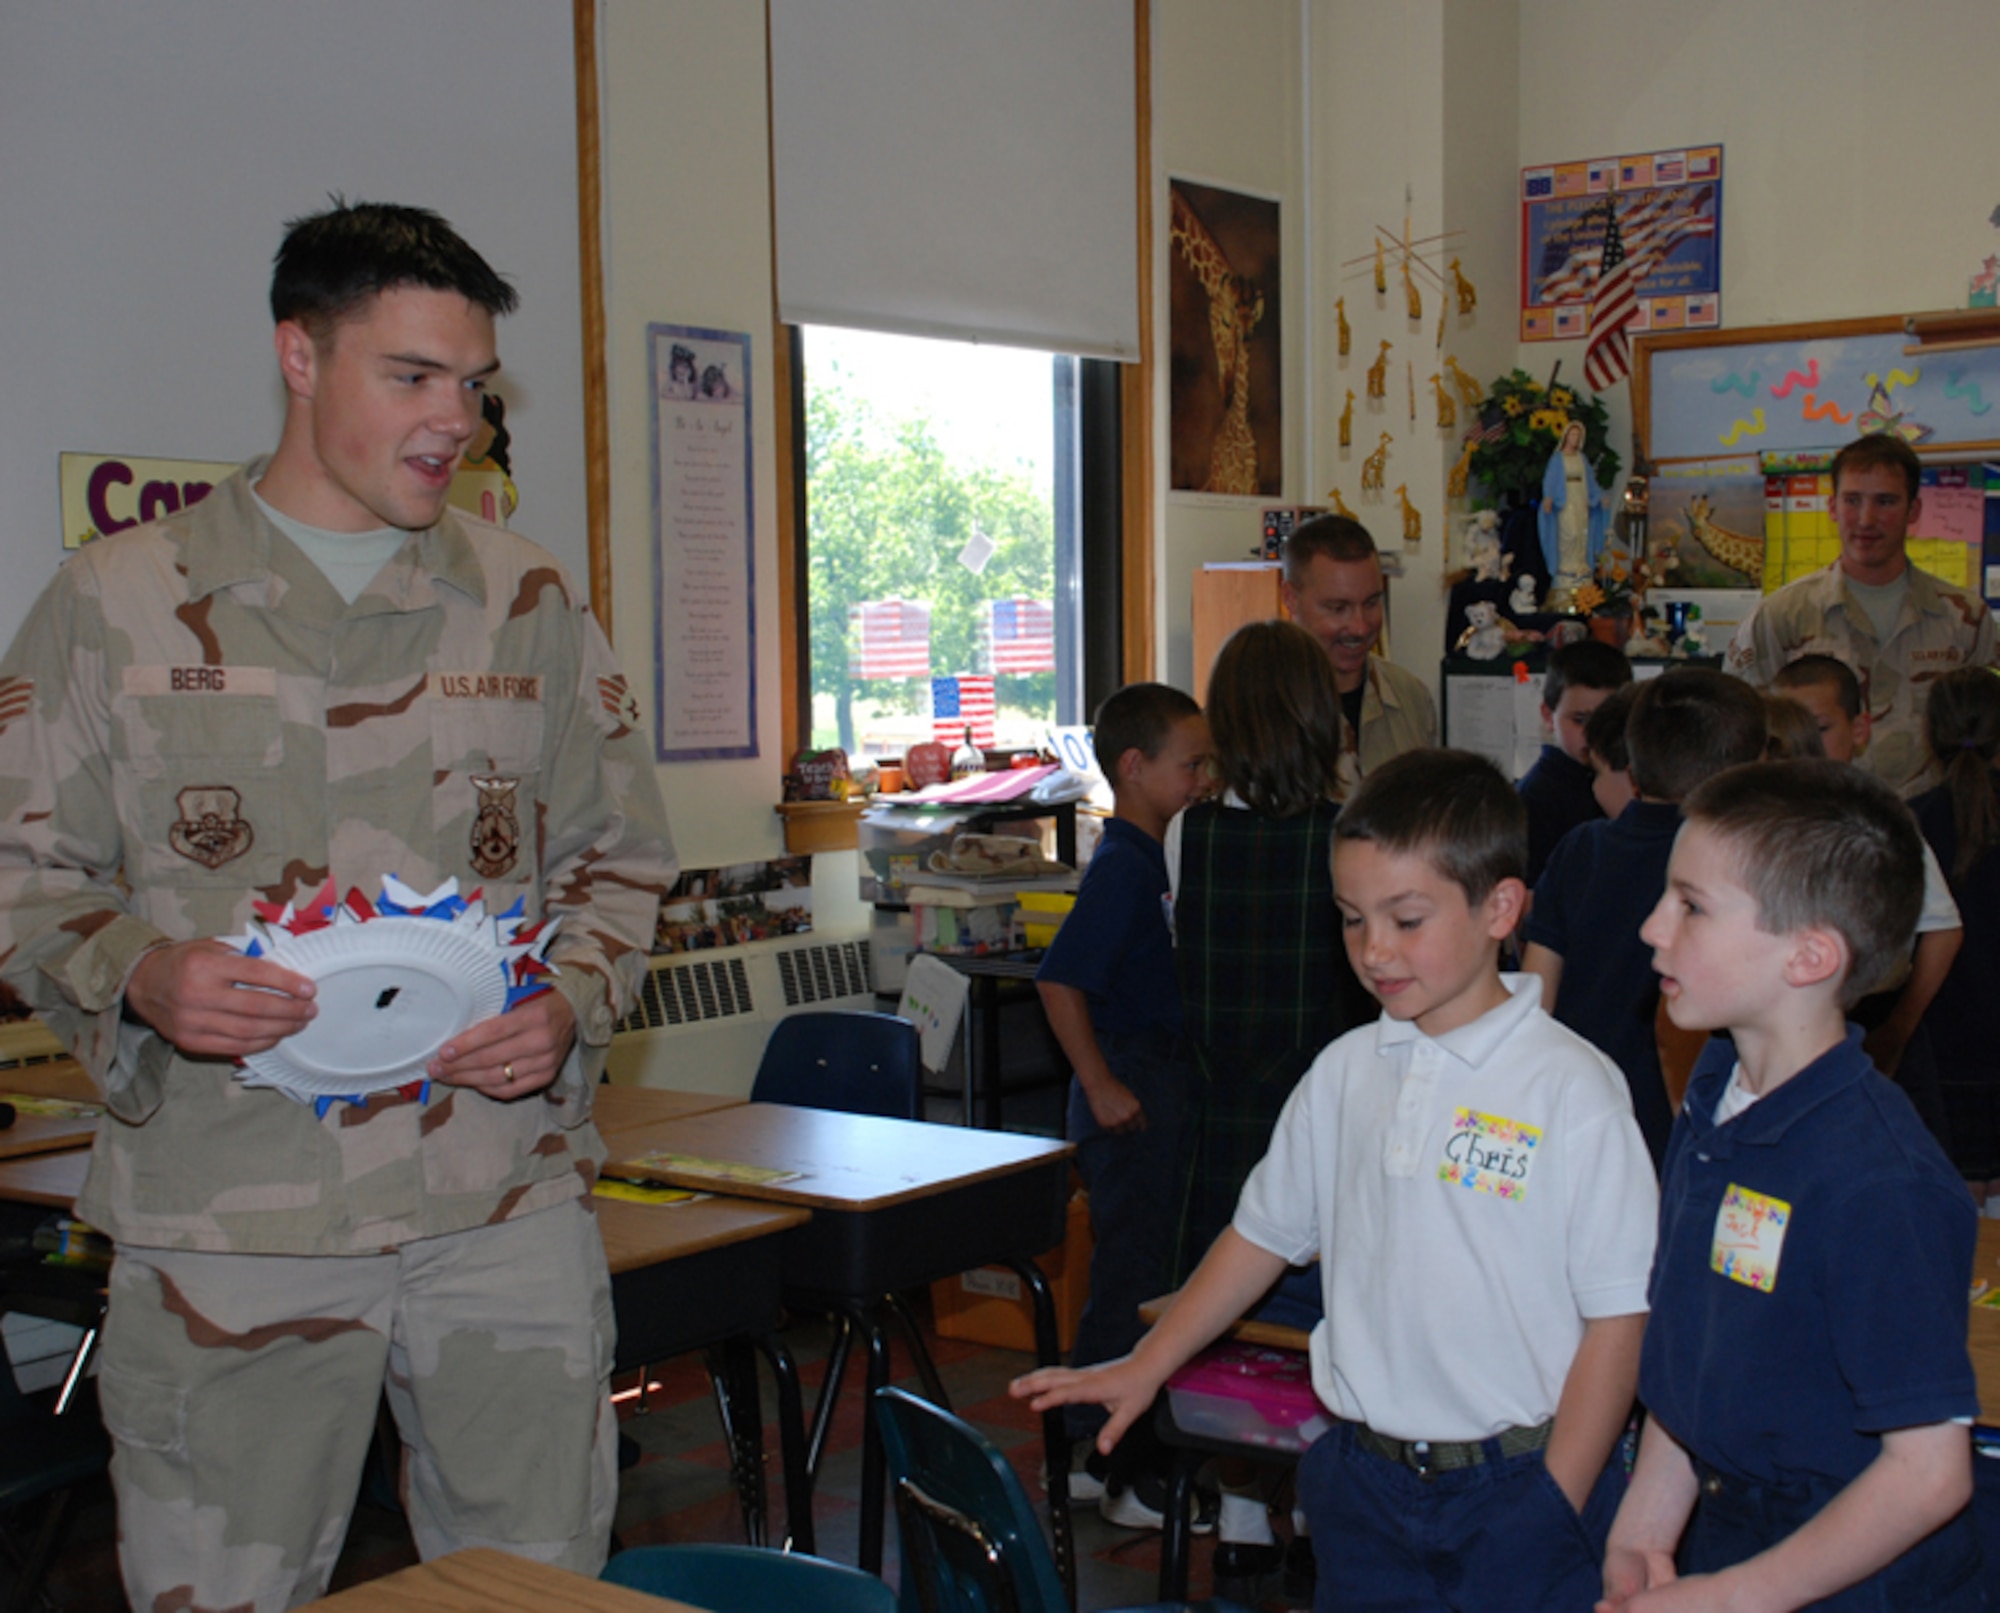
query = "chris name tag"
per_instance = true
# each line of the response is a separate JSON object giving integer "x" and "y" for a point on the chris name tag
{"x": 1749, "y": 1238}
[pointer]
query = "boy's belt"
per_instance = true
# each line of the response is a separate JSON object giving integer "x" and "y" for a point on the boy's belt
{"x": 1428, "y": 1456}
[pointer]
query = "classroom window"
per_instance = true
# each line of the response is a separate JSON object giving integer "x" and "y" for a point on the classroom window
{"x": 944, "y": 513}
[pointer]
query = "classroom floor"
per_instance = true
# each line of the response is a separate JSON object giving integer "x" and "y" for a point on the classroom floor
{"x": 680, "y": 1489}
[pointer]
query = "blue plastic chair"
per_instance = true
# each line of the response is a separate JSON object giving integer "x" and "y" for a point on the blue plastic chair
{"x": 744, "y": 1579}
{"x": 856, "y": 1063}
{"x": 43, "y": 1458}
{"x": 970, "y": 1539}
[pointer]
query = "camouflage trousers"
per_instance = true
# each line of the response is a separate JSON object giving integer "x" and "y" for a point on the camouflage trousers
{"x": 241, "y": 1393}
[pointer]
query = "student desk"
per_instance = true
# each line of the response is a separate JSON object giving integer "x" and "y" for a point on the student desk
{"x": 983, "y": 1069}
{"x": 483, "y": 1580}
{"x": 683, "y": 1277}
{"x": 621, "y": 1108}
{"x": 896, "y": 1204}
{"x": 1983, "y": 1335}
{"x": 42, "y": 1134}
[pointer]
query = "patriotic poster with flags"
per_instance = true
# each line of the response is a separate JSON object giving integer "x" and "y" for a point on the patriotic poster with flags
{"x": 959, "y": 703}
{"x": 1668, "y": 206}
{"x": 1020, "y": 635}
{"x": 889, "y": 638}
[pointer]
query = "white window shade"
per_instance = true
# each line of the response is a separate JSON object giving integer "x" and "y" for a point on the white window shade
{"x": 960, "y": 168}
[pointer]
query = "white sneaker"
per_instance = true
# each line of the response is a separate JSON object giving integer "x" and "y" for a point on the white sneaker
{"x": 1133, "y": 1507}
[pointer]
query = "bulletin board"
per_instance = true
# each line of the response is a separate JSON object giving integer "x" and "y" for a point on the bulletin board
{"x": 1808, "y": 388}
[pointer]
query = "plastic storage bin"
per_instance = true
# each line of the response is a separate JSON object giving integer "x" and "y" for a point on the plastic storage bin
{"x": 1251, "y": 1395}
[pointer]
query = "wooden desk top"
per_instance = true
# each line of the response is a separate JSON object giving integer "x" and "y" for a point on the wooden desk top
{"x": 624, "y": 1108}
{"x": 638, "y": 1235}
{"x": 1269, "y": 1334}
{"x": 51, "y": 1179}
{"x": 846, "y": 1162}
{"x": 41, "y": 1134}
{"x": 56, "y": 1078}
{"x": 487, "y": 1581}
{"x": 634, "y": 1234}
{"x": 1983, "y": 1333}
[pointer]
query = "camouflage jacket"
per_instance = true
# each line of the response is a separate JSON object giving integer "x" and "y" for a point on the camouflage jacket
{"x": 192, "y": 719}
{"x": 1940, "y": 629}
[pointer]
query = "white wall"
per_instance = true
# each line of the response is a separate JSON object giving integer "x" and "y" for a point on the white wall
{"x": 1227, "y": 97}
{"x": 149, "y": 156}
{"x": 1859, "y": 162}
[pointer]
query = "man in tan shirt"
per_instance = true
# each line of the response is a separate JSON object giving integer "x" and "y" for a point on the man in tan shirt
{"x": 1335, "y": 590}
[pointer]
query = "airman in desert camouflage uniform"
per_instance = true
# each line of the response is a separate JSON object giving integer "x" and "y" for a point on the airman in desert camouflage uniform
{"x": 1937, "y": 628}
{"x": 197, "y": 717}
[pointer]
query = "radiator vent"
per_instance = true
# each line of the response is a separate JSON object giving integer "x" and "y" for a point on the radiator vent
{"x": 683, "y": 993}
{"x": 824, "y": 972}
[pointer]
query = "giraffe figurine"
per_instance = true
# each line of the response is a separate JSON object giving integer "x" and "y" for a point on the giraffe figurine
{"x": 1339, "y": 503}
{"x": 1412, "y": 298}
{"x": 1733, "y": 549}
{"x": 1413, "y": 520}
{"x": 1347, "y": 421}
{"x": 1235, "y": 307}
{"x": 1447, "y": 410}
{"x": 1375, "y": 465}
{"x": 1468, "y": 293}
{"x": 1378, "y": 374}
{"x": 1469, "y": 389}
{"x": 1346, "y": 330}
{"x": 1461, "y": 473}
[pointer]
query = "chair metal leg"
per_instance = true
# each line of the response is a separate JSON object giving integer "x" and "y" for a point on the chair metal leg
{"x": 874, "y": 1460}
{"x": 1055, "y": 1429}
{"x": 733, "y": 1372}
{"x": 35, "y": 1566}
{"x": 792, "y": 1443}
{"x": 913, "y": 1333}
{"x": 1177, "y": 1538}
{"x": 829, "y": 1390}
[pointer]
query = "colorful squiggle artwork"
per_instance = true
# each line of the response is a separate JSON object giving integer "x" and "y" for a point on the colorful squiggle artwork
{"x": 1955, "y": 388}
{"x": 1807, "y": 377}
{"x": 1812, "y": 409}
{"x": 1747, "y": 385}
{"x": 1754, "y": 427}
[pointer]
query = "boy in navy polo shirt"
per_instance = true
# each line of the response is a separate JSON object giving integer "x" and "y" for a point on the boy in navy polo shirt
{"x": 1582, "y": 933}
{"x": 1109, "y": 990}
{"x": 1556, "y": 790}
{"x": 1805, "y": 1368}
{"x": 1468, "y": 1175}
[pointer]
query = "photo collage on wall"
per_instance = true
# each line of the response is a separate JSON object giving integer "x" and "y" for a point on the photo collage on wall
{"x": 712, "y": 908}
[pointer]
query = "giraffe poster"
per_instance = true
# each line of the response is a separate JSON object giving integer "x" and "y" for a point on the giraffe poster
{"x": 1226, "y": 412}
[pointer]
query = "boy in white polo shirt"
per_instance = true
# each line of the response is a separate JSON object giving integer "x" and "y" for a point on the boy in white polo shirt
{"x": 1469, "y": 1175}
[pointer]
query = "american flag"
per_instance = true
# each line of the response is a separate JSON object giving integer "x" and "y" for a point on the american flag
{"x": 959, "y": 703}
{"x": 889, "y": 638}
{"x": 1609, "y": 357}
{"x": 1022, "y": 634}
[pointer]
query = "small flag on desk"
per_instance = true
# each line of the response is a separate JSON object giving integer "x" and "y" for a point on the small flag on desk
{"x": 959, "y": 703}
{"x": 1022, "y": 633}
{"x": 889, "y": 638}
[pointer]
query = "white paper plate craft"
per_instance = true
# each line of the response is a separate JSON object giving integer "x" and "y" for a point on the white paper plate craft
{"x": 398, "y": 977}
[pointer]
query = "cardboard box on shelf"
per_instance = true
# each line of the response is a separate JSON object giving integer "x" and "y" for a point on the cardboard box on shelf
{"x": 990, "y": 1305}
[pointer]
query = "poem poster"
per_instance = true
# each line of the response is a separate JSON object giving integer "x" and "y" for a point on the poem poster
{"x": 704, "y": 601}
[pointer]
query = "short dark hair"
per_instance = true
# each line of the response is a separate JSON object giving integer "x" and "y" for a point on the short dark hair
{"x": 1790, "y": 733}
{"x": 1604, "y": 729}
{"x": 1689, "y": 724}
{"x": 1962, "y": 726}
{"x": 331, "y": 263}
{"x": 1822, "y": 672}
{"x": 1137, "y": 717}
{"x": 1274, "y": 719}
{"x": 1452, "y": 808}
{"x": 1876, "y": 451}
{"x": 1337, "y": 537}
{"x": 1822, "y": 845}
{"x": 1591, "y": 664}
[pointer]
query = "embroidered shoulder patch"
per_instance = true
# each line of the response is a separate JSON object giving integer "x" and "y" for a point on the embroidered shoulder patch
{"x": 1749, "y": 1238}
{"x": 1490, "y": 1154}
{"x": 211, "y": 829}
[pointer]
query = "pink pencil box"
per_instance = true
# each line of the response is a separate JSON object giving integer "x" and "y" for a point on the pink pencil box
{"x": 1250, "y": 1394}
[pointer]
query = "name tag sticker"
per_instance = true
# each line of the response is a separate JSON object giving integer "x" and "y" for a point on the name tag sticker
{"x": 1749, "y": 1238}
{"x": 172, "y": 680}
{"x": 1490, "y": 1154}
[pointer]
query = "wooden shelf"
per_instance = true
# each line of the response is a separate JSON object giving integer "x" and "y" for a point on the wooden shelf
{"x": 821, "y": 825}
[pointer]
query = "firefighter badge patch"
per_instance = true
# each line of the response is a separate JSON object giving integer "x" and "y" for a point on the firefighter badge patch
{"x": 211, "y": 829}
{"x": 496, "y": 829}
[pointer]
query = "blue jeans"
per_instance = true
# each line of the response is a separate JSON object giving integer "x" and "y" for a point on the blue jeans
{"x": 1131, "y": 1177}
{"x": 1942, "y": 1573}
{"x": 1491, "y": 1539}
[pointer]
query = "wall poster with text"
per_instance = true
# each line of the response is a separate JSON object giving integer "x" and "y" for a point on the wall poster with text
{"x": 704, "y": 601}
{"x": 1669, "y": 206}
